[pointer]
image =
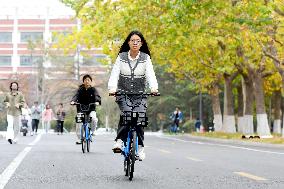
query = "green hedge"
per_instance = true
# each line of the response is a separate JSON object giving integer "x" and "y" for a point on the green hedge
{"x": 188, "y": 126}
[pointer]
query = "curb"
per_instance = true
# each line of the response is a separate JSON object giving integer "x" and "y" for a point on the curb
{"x": 233, "y": 141}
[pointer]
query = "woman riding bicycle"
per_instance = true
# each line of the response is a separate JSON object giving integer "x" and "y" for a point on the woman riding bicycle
{"x": 85, "y": 95}
{"x": 132, "y": 70}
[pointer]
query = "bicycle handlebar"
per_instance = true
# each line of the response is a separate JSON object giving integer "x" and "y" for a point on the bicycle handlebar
{"x": 76, "y": 103}
{"x": 132, "y": 94}
{"x": 84, "y": 107}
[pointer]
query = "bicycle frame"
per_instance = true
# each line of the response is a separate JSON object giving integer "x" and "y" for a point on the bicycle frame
{"x": 84, "y": 118}
{"x": 128, "y": 149}
{"x": 85, "y": 127}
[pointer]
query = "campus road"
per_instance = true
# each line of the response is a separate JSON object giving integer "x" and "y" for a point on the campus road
{"x": 54, "y": 161}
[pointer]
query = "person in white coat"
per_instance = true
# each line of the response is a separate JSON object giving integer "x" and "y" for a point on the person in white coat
{"x": 131, "y": 73}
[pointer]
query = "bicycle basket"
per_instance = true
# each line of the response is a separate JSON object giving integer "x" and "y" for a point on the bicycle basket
{"x": 80, "y": 117}
{"x": 140, "y": 117}
{"x": 84, "y": 107}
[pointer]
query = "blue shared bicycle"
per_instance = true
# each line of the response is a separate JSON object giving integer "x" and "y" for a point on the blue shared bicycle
{"x": 84, "y": 118}
{"x": 132, "y": 120}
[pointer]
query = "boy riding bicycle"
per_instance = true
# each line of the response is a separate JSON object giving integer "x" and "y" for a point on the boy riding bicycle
{"x": 85, "y": 95}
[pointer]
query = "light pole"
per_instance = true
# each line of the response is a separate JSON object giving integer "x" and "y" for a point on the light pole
{"x": 77, "y": 64}
{"x": 200, "y": 108}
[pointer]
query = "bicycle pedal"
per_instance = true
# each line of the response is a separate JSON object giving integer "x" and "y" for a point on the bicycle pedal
{"x": 116, "y": 150}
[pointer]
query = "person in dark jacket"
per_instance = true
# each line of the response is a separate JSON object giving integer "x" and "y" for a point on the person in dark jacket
{"x": 85, "y": 95}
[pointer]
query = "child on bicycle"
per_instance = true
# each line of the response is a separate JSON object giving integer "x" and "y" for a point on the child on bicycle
{"x": 85, "y": 95}
{"x": 132, "y": 70}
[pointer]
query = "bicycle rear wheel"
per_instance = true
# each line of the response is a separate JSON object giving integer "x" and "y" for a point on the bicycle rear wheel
{"x": 132, "y": 154}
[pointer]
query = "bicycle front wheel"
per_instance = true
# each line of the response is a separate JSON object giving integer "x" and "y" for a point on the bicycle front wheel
{"x": 132, "y": 154}
{"x": 83, "y": 139}
{"x": 126, "y": 167}
{"x": 89, "y": 141}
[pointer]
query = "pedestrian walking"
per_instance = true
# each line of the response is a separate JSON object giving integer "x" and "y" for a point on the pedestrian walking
{"x": 197, "y": 125}
{"x": 47, "y": 116}
{"x": 177, "y": 118}
{"x": 26, "y": 120}
{"x": 14, "y": 101}
{"x": 36, "y": 115}
{"x": 60, "y": 116}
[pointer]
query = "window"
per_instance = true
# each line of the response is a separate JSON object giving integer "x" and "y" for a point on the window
{"x": 27, "y": 60}
{"x": 62, "y": 61}
{"x": 5, "y": 60}
{"x": 5, "y": 37}
{"x": 95, "y": 60}
{"x": 31, "y": 36}
{"x": 58, "y": 35}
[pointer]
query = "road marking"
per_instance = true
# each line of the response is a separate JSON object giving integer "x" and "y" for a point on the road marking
{"x": 223, "y": 145}
{"x": 193, "y": 159}
{"x": 36, "y": 140}
{"x": 165, "y": 151}
{"x": 250, "y": 176}
{"x": 9, "y": 171}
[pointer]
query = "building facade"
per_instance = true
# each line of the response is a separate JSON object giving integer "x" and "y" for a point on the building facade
{"x": 23, "y": 26}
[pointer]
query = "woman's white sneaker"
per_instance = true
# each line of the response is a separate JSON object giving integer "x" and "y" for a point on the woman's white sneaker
{"x": 141, "y": 153}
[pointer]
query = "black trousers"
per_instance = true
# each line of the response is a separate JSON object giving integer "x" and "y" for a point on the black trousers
{"x": 122, "y": 132}
{"x": 60, "y": 126}
{"x": 176, "y": 122}
{"x": 35, "y": 123}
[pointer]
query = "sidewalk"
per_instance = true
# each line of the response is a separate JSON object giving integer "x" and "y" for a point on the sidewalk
{"x": 233, "y": 141}
{"x": 2, "y": 134}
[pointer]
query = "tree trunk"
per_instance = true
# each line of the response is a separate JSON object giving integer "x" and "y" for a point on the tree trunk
{"x": 248, "y": 105}
{"x": 240, "y": 107}
{"x": 277, "y": 63}
{"x": 217, "y": 120}
{"x": 229, "y": 118}
{"x": 282, "y": 76}
{"x": 277, "y": 112}
{"x": 263, "y": 129}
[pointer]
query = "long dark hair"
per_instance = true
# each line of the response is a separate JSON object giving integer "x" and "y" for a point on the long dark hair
{"x": 125, "y": 46}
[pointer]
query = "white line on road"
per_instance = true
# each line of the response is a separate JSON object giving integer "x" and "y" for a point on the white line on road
{"x": 250, "y": 176}
{"x": 9, "y": 171}
{"x": 223, "y": 145}
{"x": 193, "y": 159}
{"x": 165, "y": 151}
{"x": 36, "y": 140}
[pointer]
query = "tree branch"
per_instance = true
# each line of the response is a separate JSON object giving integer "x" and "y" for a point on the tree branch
{"x": 267, "y": 74}
{"x": 272, "y": 57}
{"x": 202, "y": 61}
{"x": 280, "y": 12}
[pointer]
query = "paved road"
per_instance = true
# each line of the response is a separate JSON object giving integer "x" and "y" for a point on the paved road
{"x": 54, "y": 161}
